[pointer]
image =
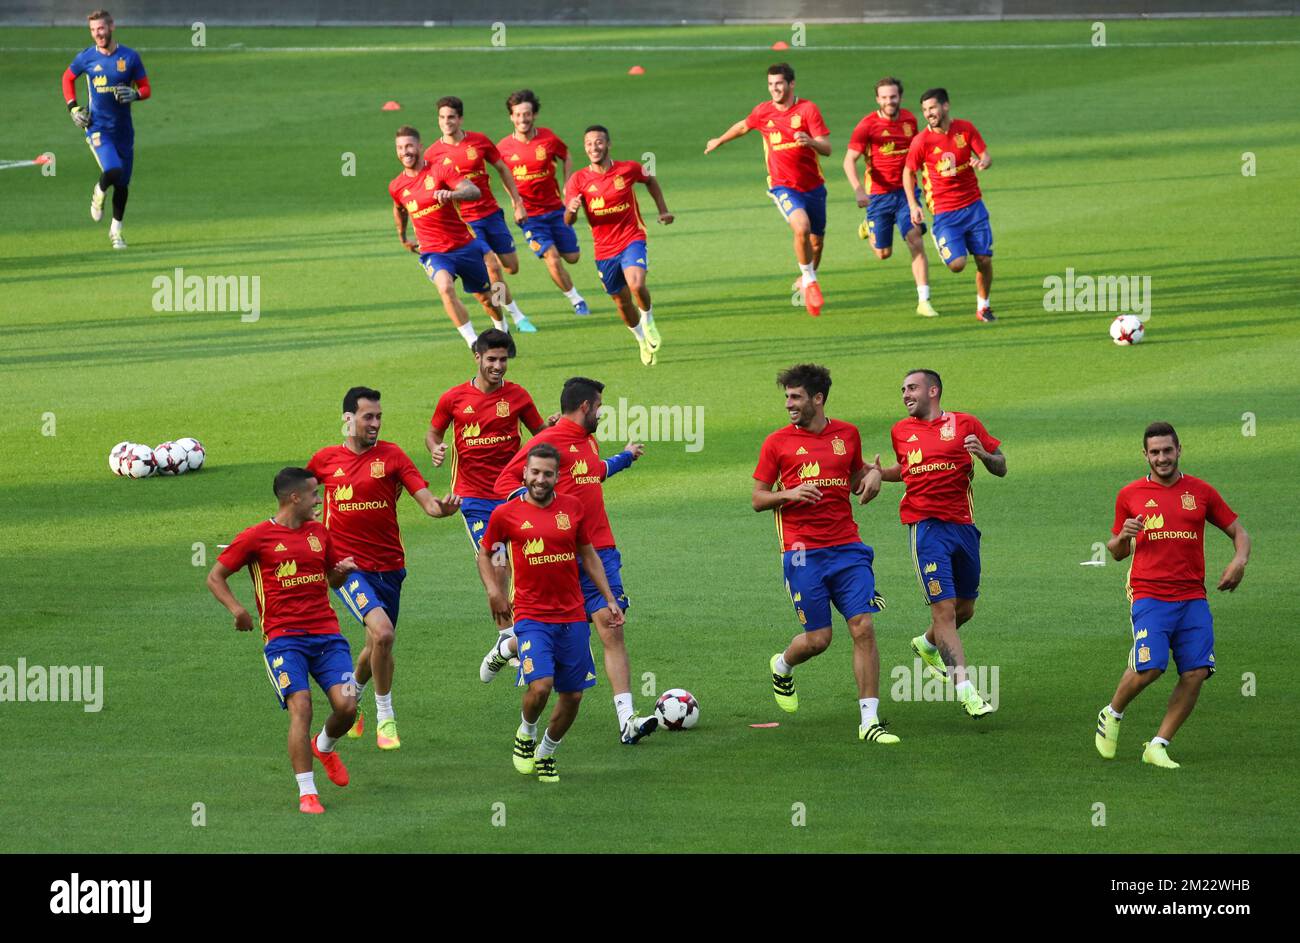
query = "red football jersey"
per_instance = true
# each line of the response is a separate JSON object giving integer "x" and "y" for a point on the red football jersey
{"x": 937, "y": 469}
{"x": 471, "y": 157}
{"x": 610, "y": 205}
{"x": 1169, "y": 554}
{"x": 886, "y": 144}
{"x": 792, "y": 456}
{"x": 581, "y": 472}
{"x": 485, "y": 433}
{"x": 438, "y": 226}
{"x": 288, "y": 567}
{"x": 361, "y": 492}
{"x": 542, "y": 547}
{"x": 789, "y": 163}
{"x": 947, "y": 178}
{"x": 533, "y": 164}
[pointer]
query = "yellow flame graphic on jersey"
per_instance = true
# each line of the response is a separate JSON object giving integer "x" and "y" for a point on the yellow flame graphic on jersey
{"x": 288, "y": 568}
{"x": 1154, "y": 522}
{"x": 470, "y": 430}
{"x": 810, "y": 470}
{"x": 343, "y": 493}
{"x": 579, "y": 468}
{"x": 533, "y": 546}
{"x": 914, "y": 457}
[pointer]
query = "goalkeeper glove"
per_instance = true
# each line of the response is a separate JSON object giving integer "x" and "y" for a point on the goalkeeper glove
{"x": 80, "y": 115}
{"x": 125, "y": 94}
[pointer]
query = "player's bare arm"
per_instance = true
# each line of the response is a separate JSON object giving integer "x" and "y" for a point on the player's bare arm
{"x": 733, "y": 132}
{"x": 592, "y": 564}
{"x": 217, "y": 583}
{"x": 909, "y": 191}
{"x": 866, "y": 482}
{"x": 338, "y": 574}
{"x": 487, "y": 564}
{"x": 433, "y": 441}
{"x": 636, "y": 448}
{"x": 1121, "y": 545}
{"x": 851, "y": 156}
{"x": 994, "y": 461}
{"x": 981, "y": 161}
{"x": 465, "y": 192}
{"x": 571, "y": 210}
{"x": 401, "y": 218}
{"x": 765, "y": 499}
{"x": 445, "y": 506}
{"x": 657, "y": 194}
{"x": 1236, "y": 570}
{"x": 508, "y": 182}
{"x": 822, "y": 144}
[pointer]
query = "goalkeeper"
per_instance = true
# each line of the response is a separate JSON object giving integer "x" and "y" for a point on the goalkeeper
{"x": 115, "y": 77}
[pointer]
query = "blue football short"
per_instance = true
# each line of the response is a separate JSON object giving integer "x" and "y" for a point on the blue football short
{"x": 559, "y": 650}
{"x": 494, "y": 233}
{"x": 611, "y": 269}
{"x": 291, "y": 659}
{"x": 885, "y": 211}
{"x": 824, "y": 576}
{"x": 1184, "y": 627}
{"x": 476, "y": 512}
{"x": 812, "y": 202}
{"x": 549, "y": 229}
{"x": 957, "y": 232}
{"x": 592, "y": 599}
{"x": 947, "y": 559}
{"x": 364, "y": 591}
{"x": 465, "y": 263}
{"x": 113, "y": 150}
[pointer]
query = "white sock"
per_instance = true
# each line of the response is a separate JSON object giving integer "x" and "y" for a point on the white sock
{"x": 547, "y": 746}
{"x": 965, "y": 690}
{"x": 360, "y": 687}
{"x": 781, "y": 667}
{"x": 514, "y": 311}
{"x": 306, "y": 783}
{"x": 648, "y": 316}
{"x": 573, "y": 296}
{"x": 1118, "y": 715}
{"x": 981, "y": 303}
{"x": 623, "y": 705}
{"x": 809, "y": 273}
{"x": 927, "y": 646}
{"x": 115, "y": 227}
{"x": 499, "y": 325}
{"x": 528, "y": 727}
{"x": 923, "y": 292}
{"x": 324, "y": 742}
{"x": 638, "y": 331}
{"x": 467, "y": 332}
{"x": 503, "y": 641}
{"x": 383, "y": 706}
{"x": 99, "y": 194}
{"x": 1161, "y": 741}
{"x": 869, "y": 707}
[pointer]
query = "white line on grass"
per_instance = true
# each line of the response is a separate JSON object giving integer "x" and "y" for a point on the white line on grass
{"x": 7, "y": 164}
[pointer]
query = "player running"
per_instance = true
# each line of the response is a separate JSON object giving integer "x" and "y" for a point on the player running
{"x": 471, "y": 153}
{"x": 1160, "y": 520}
{"x": 604, "y": 192}
{"x": 541, "y": 536}
{"x": 291, "y": 559}
{"x": 582, "y": 472}
{"x": 948, "y": 153}
{"x": 484, "y": 415}
{"x": 115, "y": 78}
{"x": 935, "y": 451}
{"x": 532, "y": 153}
{"x": 363, "y": 479}
{"x": 448, "y": 249}
{"x": 884, "y": 136}
{"x": 793, "y": 135}
{"x": 805, "y": 474}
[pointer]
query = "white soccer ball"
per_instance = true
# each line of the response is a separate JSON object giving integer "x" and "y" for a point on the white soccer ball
{"x": 139, "y": 462}
{"x": 116, "y": 456}
{"x": 194, "y": 452}
{"x": 1127, "y": 329}
{"x": 171, "y": 459}
{"x": 677, "y": 709}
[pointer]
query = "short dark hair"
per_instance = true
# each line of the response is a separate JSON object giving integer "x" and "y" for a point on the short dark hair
{"x": 579, "y": 390}
{"x": 1157, "y": 429}
{"x": 813, "y": 377}
{"x": 406, "y": 131}
{"x": 890, "y": 80}
{"x": 355, "y": 395}
{"x": 491, "y": 339}
{"x": 938, "y": 94}
{"x": 933, "y": 378}
{"x": 521, "y": 96}
{"x": 597, "y": 127}
{"x": 782, "y": 68}
{"x": 289, "y": 480}
{"x": 543, "y": 450}
{"x": 452, "y": 102}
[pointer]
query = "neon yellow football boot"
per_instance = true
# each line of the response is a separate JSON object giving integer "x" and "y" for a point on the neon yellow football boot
{"x": 525, "y": 748}
{"x": 975, "y": 706}
{"x": 386, "y": 735}
{"x": 652, "y": 334}
{"x": 783, "y": 688}
{"x": 875, "y": 733}
{"x": 926, "y": 310}
{"x": 358, "y": 728}
{"x": 932, "y": 661}
{"x": 1107, "y": 738}
{"x": 1155, "y": 754}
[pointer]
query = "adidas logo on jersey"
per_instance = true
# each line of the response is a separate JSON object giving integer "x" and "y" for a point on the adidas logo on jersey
{"x": 338, "y": 473}
{"x": 526, "y": 525}
{"x": 1152, "y": 503}
{"x": 573, "y": 448}
{"x": 912, "y": 438}
{"x": 468, "y": 409}
{"x": 280, "y": 548}
{"x": 801, "y": 451}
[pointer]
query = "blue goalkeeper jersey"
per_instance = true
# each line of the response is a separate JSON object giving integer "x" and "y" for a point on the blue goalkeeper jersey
{"x": 103, "y": 73}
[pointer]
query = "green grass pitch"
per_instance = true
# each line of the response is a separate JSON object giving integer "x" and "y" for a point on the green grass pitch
{"x": 1123, "y": 160}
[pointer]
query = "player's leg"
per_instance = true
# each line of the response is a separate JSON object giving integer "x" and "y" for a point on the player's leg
{"x": 616, "y": 277}
{"x": 618, "y": 666}
{"x": 851, "y": 584}
{"x": 979, "y": 239}
{"x": 575, "y": 671}
{"x": 806, "y": 253}
{"x": 1181, "y": 701}
{"x": 524, "y": 752}
{"x": 1192, "y": 646}
{"x": 805, "y": 584}
{"x": 380, "y": 637}
{"x": 498, "y": 245}
{"x": 298, "y": 705}
{"x": 914, "y": 236}
{"x": 331, "y": 666}
{"x": 476, "y": 512}
{"x": 442, "y": 272}
{"x": 559, "y": 274}
{"x": 126, "y": 152}
{"x": 635, "y": 262}
{"x": 537, "y": 673}
{"x": 983, "y": 282}
{"x": 879, "y": 225}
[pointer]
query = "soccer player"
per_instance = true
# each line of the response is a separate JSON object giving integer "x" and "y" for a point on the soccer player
{"x": 363, "y": 479}
{"x": 484, "y": 415}
{"x": 291, "y": 560}
{"x": 805, "y": 474}
{"x": 793, "y": 135}
{"x": 427, "y": 194}
{"x": 947, "y": 153}
{"x": 1160, "y": 520}
{"x": 531, "y": 153}
{"x": 582, "y": 472}
{"x": 541, "y": 536}
{"x": 115, "y": 78}
{"x": 935, "y": 452}
{"x": 471, "y": 153}
{"x": 604, "y": 192}
{"x": 884, "y": 136}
